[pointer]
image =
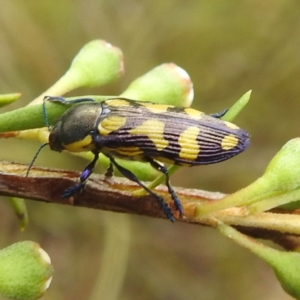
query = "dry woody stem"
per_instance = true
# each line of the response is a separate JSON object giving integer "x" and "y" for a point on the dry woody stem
{"x": 116, "y": 195}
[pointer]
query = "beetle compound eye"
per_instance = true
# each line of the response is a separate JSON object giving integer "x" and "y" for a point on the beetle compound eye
{"x": 55, "y": 142}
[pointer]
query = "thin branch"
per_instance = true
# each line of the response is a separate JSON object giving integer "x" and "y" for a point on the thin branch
{"x": 48, "y": 184}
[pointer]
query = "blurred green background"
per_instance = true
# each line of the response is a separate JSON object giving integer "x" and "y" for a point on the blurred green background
{"x": 228, "y": 48}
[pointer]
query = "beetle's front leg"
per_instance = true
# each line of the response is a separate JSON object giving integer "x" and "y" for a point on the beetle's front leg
{"x": 85, "y": 174}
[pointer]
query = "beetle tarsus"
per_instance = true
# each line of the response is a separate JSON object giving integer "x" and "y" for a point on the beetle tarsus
{"x": 85, "y": 174}
{"x": 110, "y": 171}
{"x": 220, "y": 114}
{"x": 72, "y": 191}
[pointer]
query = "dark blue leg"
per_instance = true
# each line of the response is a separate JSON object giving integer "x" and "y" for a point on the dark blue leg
{"x": 110, "y": 171}
{"x": 220, "y": 114}
{"x": 86, "y": 173}
{"x": 164, "y": 170}
{"x": 128, "y": 174}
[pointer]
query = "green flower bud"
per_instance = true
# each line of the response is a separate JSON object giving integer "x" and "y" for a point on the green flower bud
{"x": 286, "y": 266}
{"x": 283, "y": 172}
{"x": 25, "y": 271}
{"x": 166, "y": 84}
{"x": 96, "y": 64}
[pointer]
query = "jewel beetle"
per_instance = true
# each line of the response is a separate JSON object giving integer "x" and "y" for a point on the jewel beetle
{"x": 143, "y": 131}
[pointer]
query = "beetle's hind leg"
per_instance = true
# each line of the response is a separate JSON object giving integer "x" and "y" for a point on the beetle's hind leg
{"x": 164, "y": 170}
{"x": 128, "y": 174}
{"x": 85, "y": 174}
{"x": 110, "y": 170}
{"x": 109, "y": 173}
{"x": 220, "y": 114}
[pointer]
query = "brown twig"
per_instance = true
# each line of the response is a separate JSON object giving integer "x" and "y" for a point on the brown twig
{"x": 48, "y": 184}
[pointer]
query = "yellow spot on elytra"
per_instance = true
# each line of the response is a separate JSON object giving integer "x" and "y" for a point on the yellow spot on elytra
{"x": 155, "y": 108}
{"x": 230, "y": 125}
{"x": 111, "y": 124}
{"x": 81, "y": 146}
{"x": 117, "y": 102}
{"x": 129, "y": 151}
{"x": 124, "y": 151}
{"x": 154, "y": 130}
{"x": 228, "y": 142}
{"x": 188, "y": 143}
{"x": 193, "y": 113}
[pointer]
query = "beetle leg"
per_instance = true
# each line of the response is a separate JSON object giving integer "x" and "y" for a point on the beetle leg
{"x": 220, "y": 114}
{"x": 85, "y": 174}
{"x": 109, "y": 174}
{"x": 164, "y": 170}
{"x": 128, "y": 174}
{"x": 110, "y": 170}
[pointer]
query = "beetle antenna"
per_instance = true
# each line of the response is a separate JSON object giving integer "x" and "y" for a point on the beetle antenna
{"x": 34, "y": 158}
{"x": 45, "y": 114}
